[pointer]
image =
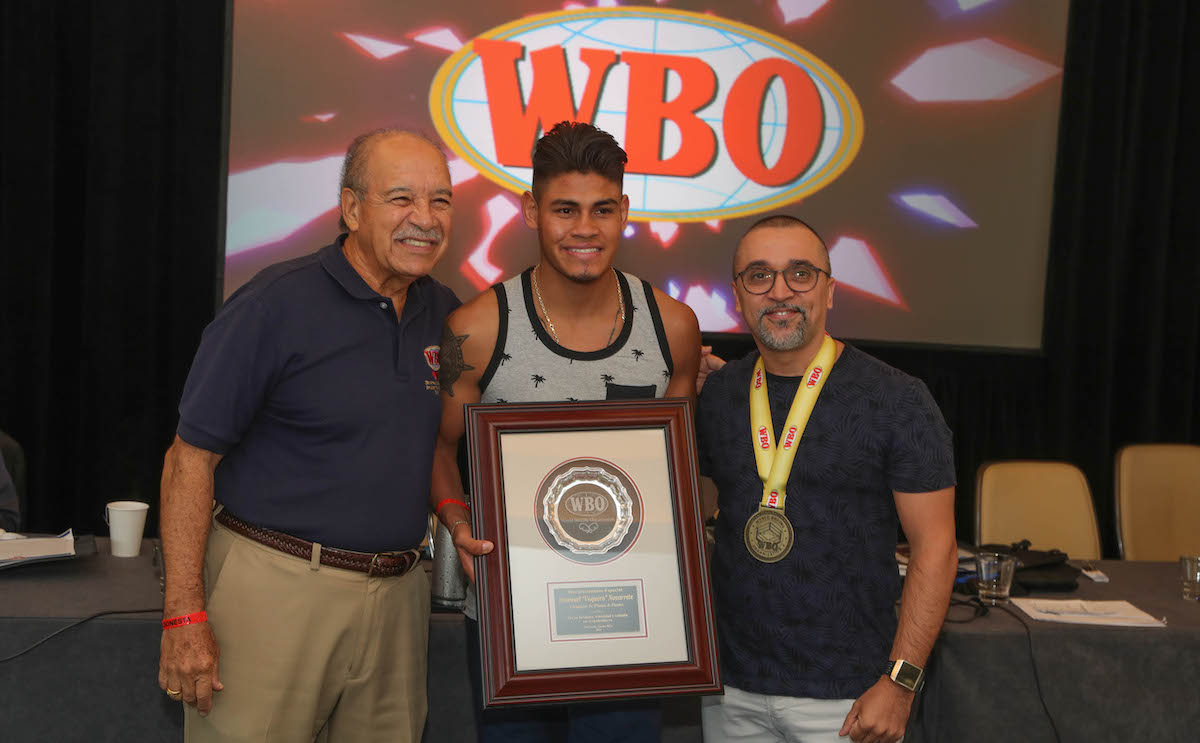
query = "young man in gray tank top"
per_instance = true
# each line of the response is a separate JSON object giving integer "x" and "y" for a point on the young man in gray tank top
{"x": 570, "y": 328}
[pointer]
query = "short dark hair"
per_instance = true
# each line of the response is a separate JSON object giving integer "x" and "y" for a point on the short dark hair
{"x": 354, "y": 166}
{"x": 577, "y": 147}
{"x": 781, "y": 221}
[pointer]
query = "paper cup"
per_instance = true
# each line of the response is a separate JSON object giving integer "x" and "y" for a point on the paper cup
{"x": 126, "y": 519}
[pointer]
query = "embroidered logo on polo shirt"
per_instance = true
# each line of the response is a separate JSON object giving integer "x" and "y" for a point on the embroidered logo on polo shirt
{"x": 432, "y": 357}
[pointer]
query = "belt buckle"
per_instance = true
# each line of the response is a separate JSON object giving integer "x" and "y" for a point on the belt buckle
{"x": 375, "y": 560}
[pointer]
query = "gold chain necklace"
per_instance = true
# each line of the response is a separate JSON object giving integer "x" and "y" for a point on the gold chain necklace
{"x": 550, "y": 324}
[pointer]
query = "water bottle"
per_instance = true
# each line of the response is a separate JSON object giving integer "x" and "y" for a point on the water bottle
{"x": 449, "y": 589}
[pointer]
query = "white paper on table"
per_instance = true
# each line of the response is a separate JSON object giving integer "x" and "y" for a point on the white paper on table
{"x": 1076, "y": 611}
{"x": 19, "y": 549}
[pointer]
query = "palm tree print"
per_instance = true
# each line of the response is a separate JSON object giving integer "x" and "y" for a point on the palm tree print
{"x": 537, "y": 379}
{"x": 504, "y": 357}
{"x": 666, "y": 375}
{"x": 607, "y": 378}
{"x": 637, "y": 355}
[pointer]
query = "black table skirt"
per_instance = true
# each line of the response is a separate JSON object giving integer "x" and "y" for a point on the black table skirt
{"x": 97, "y": 682}
{"x": 1098, "y": 683}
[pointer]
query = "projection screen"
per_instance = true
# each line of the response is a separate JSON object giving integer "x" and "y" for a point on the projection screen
{"x": 918, "y": 136}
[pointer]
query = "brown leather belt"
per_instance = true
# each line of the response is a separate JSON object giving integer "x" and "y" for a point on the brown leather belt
{"x": 383, "y": 564}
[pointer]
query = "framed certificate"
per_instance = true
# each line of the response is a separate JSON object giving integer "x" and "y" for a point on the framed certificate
{"x": 597, "y": 587}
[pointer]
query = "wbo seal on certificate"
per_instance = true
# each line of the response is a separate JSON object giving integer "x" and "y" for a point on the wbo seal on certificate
{"x": 588, "y": 510}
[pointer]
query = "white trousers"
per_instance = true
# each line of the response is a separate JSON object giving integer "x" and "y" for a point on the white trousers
{"x": 746, "y": 717}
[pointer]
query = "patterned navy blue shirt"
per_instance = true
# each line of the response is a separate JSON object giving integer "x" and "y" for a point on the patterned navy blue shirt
{"x": 820, "y": 622}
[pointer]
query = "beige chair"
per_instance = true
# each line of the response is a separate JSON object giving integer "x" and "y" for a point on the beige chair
{"x": 1048, "y": 503}
{"x": 1158, "y": 501}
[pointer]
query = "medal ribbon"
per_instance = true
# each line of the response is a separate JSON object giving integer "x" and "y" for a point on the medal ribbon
{"x": 775, "y": 465}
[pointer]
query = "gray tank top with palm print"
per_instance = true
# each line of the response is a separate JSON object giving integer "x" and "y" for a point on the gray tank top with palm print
{"x": 528, "y": 366}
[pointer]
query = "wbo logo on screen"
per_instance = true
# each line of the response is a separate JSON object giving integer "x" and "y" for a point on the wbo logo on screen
{"x": 719, "y": 119}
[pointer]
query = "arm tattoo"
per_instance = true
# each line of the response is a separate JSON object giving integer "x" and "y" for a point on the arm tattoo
{"x": 450, "y": 359}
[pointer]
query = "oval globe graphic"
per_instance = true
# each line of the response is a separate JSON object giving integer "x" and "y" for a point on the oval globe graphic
{"x": 719, "y": 119}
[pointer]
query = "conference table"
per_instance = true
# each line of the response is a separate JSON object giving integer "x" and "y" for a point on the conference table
{"x": 97, "y": 681}
{"x": 1097, "y": 683}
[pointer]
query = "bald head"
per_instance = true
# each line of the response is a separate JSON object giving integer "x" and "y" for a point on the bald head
{"x": 782, "y": 224}
{"x": 356, "y": 165}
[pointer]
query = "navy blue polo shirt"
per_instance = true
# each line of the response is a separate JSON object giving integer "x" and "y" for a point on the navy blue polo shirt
{"x": 324, "y": 406}
{"x": 820, "y": 622}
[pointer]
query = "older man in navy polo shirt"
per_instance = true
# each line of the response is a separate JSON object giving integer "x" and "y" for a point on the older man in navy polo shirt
{"x": 309, "y": 418}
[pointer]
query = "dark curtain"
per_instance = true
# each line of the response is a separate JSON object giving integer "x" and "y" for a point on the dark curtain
{"x": 1122, "y": 329}
{"x": 111, "y": 198}
{"x": 109, "y": 184}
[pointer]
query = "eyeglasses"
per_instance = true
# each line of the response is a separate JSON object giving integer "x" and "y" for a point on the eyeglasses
{"x": 800, "y": 278}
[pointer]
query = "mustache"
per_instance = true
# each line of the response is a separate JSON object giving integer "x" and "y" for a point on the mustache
{"x": 776, "y": 307}
{"x": 417, "y": 233}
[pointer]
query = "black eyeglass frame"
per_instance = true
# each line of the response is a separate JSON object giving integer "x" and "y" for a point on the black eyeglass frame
{"x": 741, "y": 276}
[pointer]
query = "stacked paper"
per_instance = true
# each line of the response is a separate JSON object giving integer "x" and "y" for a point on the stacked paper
{"x": 1075, "y": 611}
{"x": 17, "y": 548}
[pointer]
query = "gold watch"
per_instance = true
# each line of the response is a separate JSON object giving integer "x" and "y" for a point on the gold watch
{"x": 906, "y": 674}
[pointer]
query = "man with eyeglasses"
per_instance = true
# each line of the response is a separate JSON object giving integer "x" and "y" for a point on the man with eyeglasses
{"x": 819, "y": 452}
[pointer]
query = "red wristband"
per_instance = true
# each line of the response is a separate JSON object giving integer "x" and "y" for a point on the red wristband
{"x": 194, "y": 618}
{"x": 444, "y": 501}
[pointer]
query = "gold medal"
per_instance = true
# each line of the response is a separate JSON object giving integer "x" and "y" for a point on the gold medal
{"x": 769, "y": 535}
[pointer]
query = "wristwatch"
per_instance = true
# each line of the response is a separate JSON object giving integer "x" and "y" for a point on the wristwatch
{"x": 905, "y": 674}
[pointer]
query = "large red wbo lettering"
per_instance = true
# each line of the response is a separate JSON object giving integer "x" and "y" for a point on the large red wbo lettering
{"x": 646, "y": 112}
{"x": 515, "y": 125}
{"x": 742, "y": 120}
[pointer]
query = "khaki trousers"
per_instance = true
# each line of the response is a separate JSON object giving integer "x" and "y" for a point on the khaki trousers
{"x": 309, "y": 652}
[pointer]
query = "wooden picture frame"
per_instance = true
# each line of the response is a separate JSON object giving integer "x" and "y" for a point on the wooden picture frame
{"x": 598, "y": 584}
